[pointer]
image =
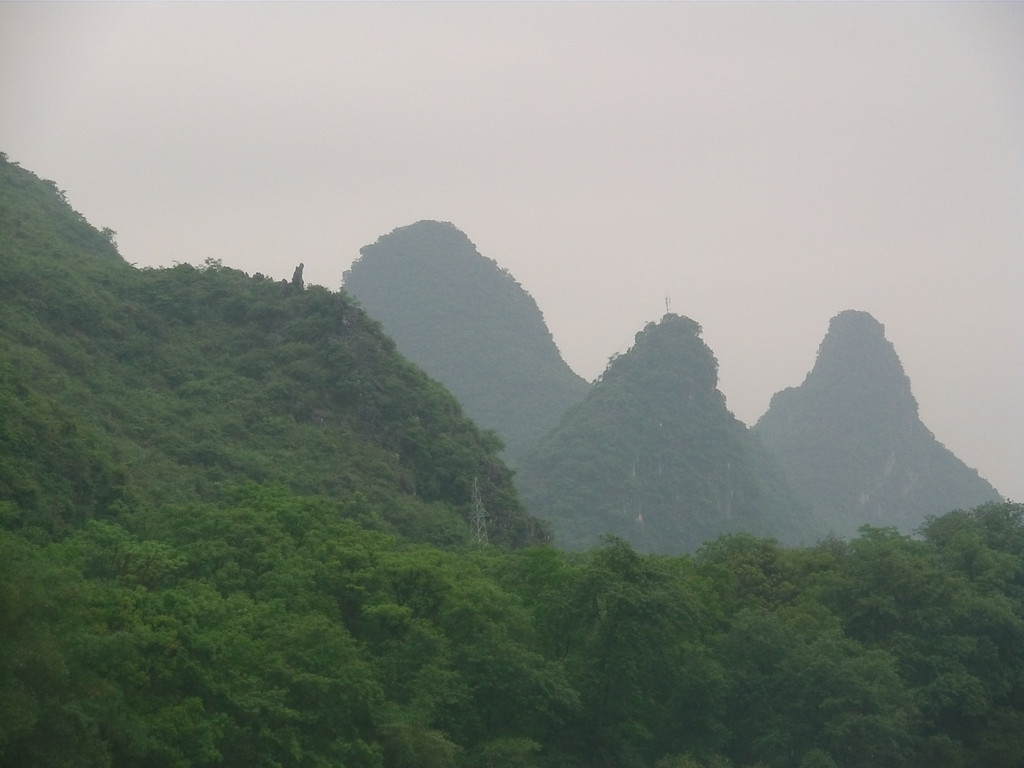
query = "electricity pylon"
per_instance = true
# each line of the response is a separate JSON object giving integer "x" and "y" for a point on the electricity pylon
{"x": 478, "y": 516}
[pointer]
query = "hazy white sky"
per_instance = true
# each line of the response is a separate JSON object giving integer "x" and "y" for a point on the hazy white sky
{"x": 763, "y": 165}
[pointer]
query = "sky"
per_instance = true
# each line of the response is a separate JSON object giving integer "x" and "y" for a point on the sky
{"x": 758, "y": 167}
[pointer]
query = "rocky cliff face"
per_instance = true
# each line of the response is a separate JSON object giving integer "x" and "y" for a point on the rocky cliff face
{"x": 852, "y": 443}
{"x": 654, "y": 456}
{"x": 471, "y": 326}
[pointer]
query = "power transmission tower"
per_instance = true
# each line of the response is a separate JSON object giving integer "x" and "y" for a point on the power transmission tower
{"x": 478, "y": 516}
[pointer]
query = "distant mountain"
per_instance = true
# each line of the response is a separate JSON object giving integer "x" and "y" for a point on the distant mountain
{"x": 220, "y": 503}
{"x": 654, "y": 456}
{"x": 471, "y": 326}
{"x": 852, "y": 443}
{"x": 125, "y": 389}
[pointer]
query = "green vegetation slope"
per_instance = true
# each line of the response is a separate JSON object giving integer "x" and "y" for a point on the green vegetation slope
{"x": 471, "y": 326}
{"x": 654, "y": 456}
{"x": 269, "y": 631}
{"x": 852, "y": 442}
{"x": 210, "y": 489}
{"x": 122, "y": 388}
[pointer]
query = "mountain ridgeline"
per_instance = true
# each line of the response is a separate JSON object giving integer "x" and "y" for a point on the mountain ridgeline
{"x": 852, "y": 442}
{"x": 653, "y": 456}
{"x": 650, "y": 452}
{"x": 235, "y": 532}
{"x": 469, "y": 325}
{"x": 123, "y": 388}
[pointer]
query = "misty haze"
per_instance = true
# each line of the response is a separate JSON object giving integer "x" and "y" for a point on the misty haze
{"x": 511, "y": 385}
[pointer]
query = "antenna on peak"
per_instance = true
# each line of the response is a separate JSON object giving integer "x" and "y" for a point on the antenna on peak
{"x": 668, "y": 304}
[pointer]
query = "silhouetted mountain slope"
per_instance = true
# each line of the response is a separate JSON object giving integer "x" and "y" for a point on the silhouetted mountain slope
{"x": 122, "y": 387}
{"x": 654, "y": 456}
{"x": 471, "y": 326}
{"x": 852, "y": 443}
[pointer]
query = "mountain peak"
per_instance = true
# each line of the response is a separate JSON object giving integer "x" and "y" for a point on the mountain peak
{"x": 653, "y": 455}
{"x": 854, "y": 337}
{"x": 852, "y": 441}
{"x": 856, "y": 363}
{"x": 470, "y": 325}
{"x": 856, "y": 319}
{"x": 424, "y": 243}
{"x": 667, "y": 355}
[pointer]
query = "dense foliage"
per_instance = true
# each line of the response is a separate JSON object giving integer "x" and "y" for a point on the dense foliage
{"x": 852, "y": 443}
{"x": 232, "y": 533}
{"x": 470, "y": 325}
{"x": 274, "y": 631}
{"x": 653, "y": 455}
{"x": 122, "y": 388}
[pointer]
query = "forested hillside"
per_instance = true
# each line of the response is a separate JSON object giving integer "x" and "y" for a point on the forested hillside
{"x": 233, "y": 533}
{"x": 654, "y": 456}
{"x": 471, "y": 326}
{"x": 271, "y": 631}
{"x": 852, "y": 442}
{"x": 122, "y": 387}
